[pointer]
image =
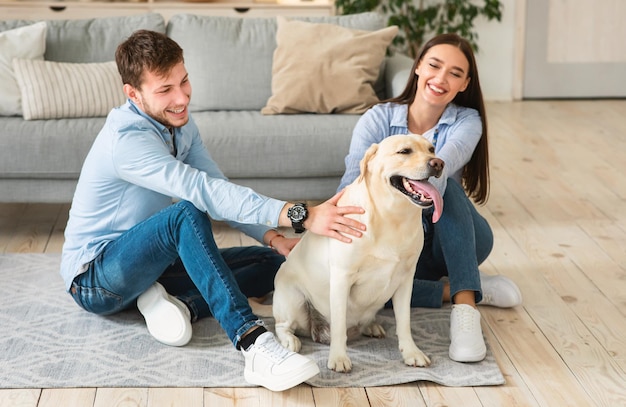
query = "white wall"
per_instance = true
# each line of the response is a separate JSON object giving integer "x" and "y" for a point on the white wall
{"x": 498, "y": 53}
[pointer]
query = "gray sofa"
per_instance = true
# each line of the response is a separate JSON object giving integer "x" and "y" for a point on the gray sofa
{"x": 229, "y": 61}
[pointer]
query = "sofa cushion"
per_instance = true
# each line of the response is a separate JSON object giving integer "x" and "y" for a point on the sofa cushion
{"x": 53, "y": 90}
{"x": 325, "y": 68}
{"x": 229, "y": 59}
{"x": 53, "y": 148}
{"x": 90, "y": 40}
{"x": 23, "y": 42}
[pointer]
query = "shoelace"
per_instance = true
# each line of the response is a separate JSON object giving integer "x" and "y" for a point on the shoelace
{"x": 465, "y": 320}
{"x": 274, "y": 350}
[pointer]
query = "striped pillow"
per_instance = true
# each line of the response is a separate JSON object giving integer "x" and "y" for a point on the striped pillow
{"x": 54, "y": 90}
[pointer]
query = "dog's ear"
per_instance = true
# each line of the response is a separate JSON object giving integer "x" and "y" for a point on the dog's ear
{"x": 371, "y": 152}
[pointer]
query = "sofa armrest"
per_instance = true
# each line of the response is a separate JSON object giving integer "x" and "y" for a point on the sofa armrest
{"x": 397, "y": 71}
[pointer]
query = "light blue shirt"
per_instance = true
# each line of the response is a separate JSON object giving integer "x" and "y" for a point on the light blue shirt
{"x": 131, "y": 173}
{"x": 459, "y": 130}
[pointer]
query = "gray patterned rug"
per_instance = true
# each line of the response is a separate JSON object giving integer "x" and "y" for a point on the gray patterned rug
{"x": 47, "y": 341}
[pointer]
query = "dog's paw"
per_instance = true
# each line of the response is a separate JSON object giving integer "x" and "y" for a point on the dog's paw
{"x": 286, "y": 337}
{"x": 416, "y": 358}
{"x": 291, "y": 342}
{"x": 374, "y": 330}
{"x": 340, "y": 364}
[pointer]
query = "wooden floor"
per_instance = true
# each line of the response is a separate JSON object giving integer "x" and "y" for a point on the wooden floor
{"x": 558, "y": 209}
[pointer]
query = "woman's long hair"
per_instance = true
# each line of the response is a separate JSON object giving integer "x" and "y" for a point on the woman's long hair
{"x": 476, "y": 172}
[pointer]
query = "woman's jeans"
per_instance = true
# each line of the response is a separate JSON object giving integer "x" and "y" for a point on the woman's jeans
{"x": 453, "y": 247}
{"x": 176, "y": 247}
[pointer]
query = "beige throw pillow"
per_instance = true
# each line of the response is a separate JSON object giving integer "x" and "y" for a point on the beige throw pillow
{"x": 54, "y": 90}
{"x": 325, "y": 68}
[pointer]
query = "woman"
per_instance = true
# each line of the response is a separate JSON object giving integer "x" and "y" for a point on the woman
{"x": 443, "y": 102}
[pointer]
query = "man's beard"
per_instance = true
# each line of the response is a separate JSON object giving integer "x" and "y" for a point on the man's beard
{"x": 161, "y": 117}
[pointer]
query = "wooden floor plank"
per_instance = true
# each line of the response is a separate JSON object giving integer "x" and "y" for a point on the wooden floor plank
{"x": 299, "y": 396}
{"x": 82, "y": 397}
{"x": 436, "y": 395}
{"x": 344, "y": 397}
{"x": 540, "y": 367}
{"x": 19, "y": 397}
{"x": 244, "y": 397}
{"x": 55, "y": 243}
{"x": 404, "y": 395}
{"x": 121, "y": 397}
{"x": 10, "y": 217}
{"x": 179, "y": 396}
{"x": 221, "y": 397}
{"x": 515, "y": 392}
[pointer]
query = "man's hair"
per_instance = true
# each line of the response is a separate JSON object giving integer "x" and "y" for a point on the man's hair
{"x": 146, "y": 51}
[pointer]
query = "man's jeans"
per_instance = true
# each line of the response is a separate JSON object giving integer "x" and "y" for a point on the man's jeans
{"x": 453, "y": 247}
{"x": 176, "y": 247}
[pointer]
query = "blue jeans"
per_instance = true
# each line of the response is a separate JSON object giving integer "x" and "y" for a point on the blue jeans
{"x": 176, "y": 247}
{"x": 453, "y": 247}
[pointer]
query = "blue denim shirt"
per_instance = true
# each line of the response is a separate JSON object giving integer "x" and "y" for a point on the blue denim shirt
{"x": 459, "y": 130}
{"x": 133, "y": 170}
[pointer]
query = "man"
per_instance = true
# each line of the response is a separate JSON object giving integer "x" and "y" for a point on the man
{"x": 126, "y": 242}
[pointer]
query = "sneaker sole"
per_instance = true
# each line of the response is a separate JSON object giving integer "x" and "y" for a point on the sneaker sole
{"x": 156, "y": 301}
{"x": 310, "y": 370}
{"x": 465, "y": 358}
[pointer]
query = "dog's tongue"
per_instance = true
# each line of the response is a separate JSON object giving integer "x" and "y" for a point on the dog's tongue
{"x": 429, "y": 191}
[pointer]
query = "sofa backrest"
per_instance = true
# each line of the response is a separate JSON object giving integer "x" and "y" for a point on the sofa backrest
{"x": 89, "y": 40}
{"x": 229, "y": 59}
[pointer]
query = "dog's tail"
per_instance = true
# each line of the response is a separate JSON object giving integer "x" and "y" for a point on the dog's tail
{"x": 259, "y": 309}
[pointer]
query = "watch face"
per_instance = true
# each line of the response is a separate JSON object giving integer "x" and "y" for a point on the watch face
{"x": 297, "y": 213}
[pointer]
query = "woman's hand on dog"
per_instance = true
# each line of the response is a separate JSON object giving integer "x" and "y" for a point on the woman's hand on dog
{"x": 281, "y": 244}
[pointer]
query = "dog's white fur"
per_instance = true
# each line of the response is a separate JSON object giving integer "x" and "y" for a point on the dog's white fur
{"x": 324, "y": 279}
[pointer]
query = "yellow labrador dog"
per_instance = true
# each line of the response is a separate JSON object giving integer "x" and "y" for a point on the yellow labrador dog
{"x": 325, "y": 280}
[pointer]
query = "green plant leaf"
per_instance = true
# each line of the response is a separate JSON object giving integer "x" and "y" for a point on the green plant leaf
{"x": 421, "y": 19}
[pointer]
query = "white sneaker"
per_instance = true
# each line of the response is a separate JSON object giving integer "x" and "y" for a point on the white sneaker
{"x": 168, "y": 318}
{"x": 270, "y": 365}
{"x": 466, "y": 336}
{"x": 499, "y": 291}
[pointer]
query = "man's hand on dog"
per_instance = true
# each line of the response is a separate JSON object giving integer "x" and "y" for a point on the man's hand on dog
{"x": 328, "y": 219}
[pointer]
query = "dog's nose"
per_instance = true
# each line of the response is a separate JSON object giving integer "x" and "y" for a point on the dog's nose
{"x": 436, "y": 166}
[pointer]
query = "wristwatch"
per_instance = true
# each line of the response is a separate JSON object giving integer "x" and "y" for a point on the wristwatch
{"x": 298, "y": 214}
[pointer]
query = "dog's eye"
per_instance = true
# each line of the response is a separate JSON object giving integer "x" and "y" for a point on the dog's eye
{"x": 432, "y": 150}
{"x": 405, "y": 151}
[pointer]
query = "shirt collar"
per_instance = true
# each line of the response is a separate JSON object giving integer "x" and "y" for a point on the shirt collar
{"x": 400, "y": 115}
{"x": 449, "y": 115}
{"x": 135, "y": 109}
